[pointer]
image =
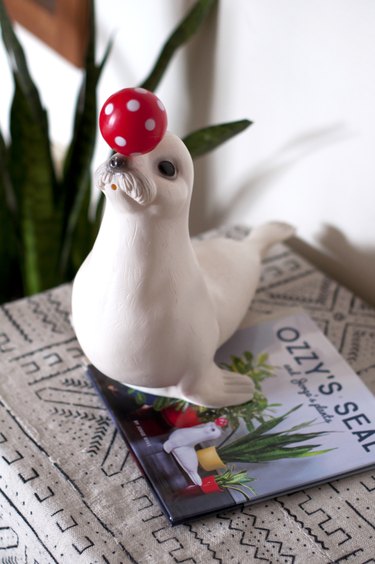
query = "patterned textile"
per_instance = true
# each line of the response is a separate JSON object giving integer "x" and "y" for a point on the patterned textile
{"x": 71, "y": 493}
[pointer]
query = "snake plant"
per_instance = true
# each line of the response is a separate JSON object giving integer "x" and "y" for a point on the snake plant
{"x": 45, "y": 226}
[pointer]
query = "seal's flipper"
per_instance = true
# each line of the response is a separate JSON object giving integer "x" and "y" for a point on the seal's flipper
{"x": 220, "y": 388}
{"x": 268, "y": 234}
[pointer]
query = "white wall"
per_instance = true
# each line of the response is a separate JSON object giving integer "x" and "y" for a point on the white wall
{"x": 303, "y": 71}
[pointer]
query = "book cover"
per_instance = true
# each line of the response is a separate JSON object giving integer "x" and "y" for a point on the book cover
{"x": 311, "y": 420}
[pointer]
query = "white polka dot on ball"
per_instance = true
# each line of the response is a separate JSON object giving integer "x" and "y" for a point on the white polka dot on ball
{"x": 133, "y": 105}
{"x": 108, "y": 109}
{"x": 141, "y": 90}
{"x": 150, "y": 124}
{"x": 161, "y": 106}
{"x": 120, "y": 141}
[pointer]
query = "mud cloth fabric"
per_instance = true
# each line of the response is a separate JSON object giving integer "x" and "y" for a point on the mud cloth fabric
{"x": 70, "y": 491}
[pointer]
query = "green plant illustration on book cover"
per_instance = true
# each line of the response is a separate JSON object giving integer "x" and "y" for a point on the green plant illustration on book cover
{"x": 262, "y": 442}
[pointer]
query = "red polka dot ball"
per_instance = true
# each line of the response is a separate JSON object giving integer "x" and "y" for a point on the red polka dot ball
{"x": 133, "y": 121}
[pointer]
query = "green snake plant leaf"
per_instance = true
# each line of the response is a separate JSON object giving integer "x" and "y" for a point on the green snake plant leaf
{"x": 77, "y": 167}
{"x": 7, "y": 196}
{"x": 31, "y": 171}
{"x": 78, "y": 243}
{"x": 33, "y": 179}
{"x": 183, "y": 32}
{"x": 10, "y": 281}
{"x": 206, "y": 139}
{"x": 18, "y": 64}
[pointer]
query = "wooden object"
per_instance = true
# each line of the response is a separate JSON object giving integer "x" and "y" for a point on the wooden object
{"x": 62, "y": 24}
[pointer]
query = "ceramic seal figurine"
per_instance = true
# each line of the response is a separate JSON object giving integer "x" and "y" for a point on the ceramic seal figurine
{"x": 150, "y": 307}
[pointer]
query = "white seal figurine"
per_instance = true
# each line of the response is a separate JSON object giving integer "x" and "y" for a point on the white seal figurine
{"x": 150, "y": 307}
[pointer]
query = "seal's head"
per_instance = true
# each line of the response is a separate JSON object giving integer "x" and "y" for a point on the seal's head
{"x": 160, "y": 180}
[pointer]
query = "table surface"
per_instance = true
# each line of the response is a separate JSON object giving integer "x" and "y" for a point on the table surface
{"x": 70, "y": 491}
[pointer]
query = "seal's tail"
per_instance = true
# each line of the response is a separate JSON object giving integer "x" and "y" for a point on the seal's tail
{"x": 269, "y": 234}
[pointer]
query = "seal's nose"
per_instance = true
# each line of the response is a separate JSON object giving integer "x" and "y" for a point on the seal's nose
{"x": 118, "y": 163}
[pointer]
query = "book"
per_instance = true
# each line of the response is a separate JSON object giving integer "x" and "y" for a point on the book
{"x": 311, "y": 420}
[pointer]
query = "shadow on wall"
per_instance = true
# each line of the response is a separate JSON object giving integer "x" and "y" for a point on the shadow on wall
{"x": 352, "y": 266}
{"x": 200, "y": 79}
{"x": 268, "y": 172}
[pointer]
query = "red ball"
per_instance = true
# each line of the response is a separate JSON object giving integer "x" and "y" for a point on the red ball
{"x": 133, "y": 121}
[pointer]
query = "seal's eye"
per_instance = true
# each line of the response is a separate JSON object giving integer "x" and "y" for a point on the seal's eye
{"x": 167, "y": 169}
